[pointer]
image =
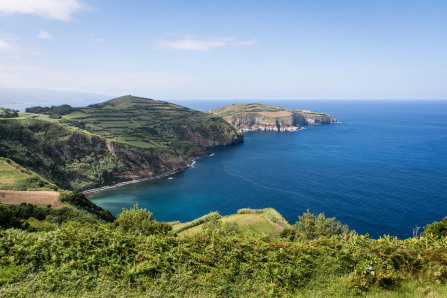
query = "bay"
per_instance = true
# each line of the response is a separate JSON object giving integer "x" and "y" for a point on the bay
{"x": 383, "y": 170}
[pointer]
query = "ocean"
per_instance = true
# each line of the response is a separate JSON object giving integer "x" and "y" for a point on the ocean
{"x": 382, "y": 170}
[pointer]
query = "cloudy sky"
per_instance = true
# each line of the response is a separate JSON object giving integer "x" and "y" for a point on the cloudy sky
{"x": 232, "y": 49}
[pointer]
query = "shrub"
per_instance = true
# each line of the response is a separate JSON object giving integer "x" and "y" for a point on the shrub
{"x": 224, "y": 229}
{"x": 310, "y": 227}
{"x": 39, "y": 225}
{"x": 80, "y": 201}
{"x": 436, "y": 229}
{"x": 8, "y": 218}
{"x": 138, "y": 221}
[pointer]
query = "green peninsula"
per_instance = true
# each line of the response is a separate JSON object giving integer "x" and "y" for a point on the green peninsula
{"x": 123, "y": 139}
{"x": 252, "y": 116}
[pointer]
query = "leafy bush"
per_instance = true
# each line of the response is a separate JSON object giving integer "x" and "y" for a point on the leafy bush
{"x": 39, "y": 225}
{"x": 8, "y": 113}
{"x": 80, "y": 201}
{"x": 310, "y": 227}
{"x": 223, "y": 229}
{"x": 436, "y": 229}
{"x": 34, "y": 218}
{"x": 33, "y": 182}
{"x": 138, "y": 221}
{"x": 8, "y": 218}
{"x": 83, "y": 259}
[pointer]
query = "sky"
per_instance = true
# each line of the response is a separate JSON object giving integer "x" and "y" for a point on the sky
{"x": 232, "y": 49}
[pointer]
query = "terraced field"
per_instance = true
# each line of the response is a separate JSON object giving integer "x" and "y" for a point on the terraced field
{"x": 148, "y": 123}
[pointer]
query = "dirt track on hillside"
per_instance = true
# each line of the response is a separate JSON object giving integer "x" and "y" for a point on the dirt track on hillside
{"x": 38, "y": 198}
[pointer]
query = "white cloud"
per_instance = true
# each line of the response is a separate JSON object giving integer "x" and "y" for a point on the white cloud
{"x": 189, "y": 42}
{"x": 52, "y": 9}
{"x": 11, "y": 49}
{"x": 5, "y": 46}
{"x": 44, "y": 35}
{"x": 245, "y": 43}
{"x": 100, "y": 39}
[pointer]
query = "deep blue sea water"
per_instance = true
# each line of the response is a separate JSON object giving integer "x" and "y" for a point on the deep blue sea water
{"x": 383, "y": 170}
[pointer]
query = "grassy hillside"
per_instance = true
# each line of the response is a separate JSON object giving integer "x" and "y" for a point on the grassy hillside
{"x": 21, "y": 188}
{"x": 267, "y": 111}
{"x": 16, "y": 177}
{"x": 122, "y": 139}
{"x": 148, "y": 123}
{"x": 246, "y": 222}
{"x": 137, "y": 256}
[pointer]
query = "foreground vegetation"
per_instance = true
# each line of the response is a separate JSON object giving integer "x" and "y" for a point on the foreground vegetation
{"x": 138, "y": 256}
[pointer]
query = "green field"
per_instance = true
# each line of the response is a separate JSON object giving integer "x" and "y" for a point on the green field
{"x": 10, "y": 173}
{"x": 15, "y": 177}
{"x": 148, "y": 123}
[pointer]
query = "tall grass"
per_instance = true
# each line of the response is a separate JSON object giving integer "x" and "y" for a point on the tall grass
{"x": 198, "y": 221}
{"x": 271, "y": 214}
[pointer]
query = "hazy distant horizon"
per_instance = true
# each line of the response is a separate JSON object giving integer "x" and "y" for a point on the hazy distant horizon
{"x": 282, "y": 49}
{"x": 22, "y": 98}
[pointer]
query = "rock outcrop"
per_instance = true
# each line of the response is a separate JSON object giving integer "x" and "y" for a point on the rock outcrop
{"x": 253, "y": 117}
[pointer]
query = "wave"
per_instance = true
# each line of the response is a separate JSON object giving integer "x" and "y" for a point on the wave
{"x": 259, "y": 184}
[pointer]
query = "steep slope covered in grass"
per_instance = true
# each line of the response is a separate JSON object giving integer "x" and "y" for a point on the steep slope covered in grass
{"x": 246, "y": 117}
{"x": 26, "y": 194}
{"x": 122, "y": 139}
{"x": 148, "y": 123}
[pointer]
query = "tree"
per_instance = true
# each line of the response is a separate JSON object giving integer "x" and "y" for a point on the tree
{"x": 8, "y": 113}
{"x": 310, "y": 227}
{"x": 138, "y": 221}
{"x": 437, "y": 229}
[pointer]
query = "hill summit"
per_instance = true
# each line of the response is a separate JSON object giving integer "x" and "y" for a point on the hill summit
{"x": 123, "y": 139}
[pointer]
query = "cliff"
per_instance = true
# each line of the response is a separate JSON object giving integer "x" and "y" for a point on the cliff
{"x": 119, "y": 140}
{"x": 249, "y": 117}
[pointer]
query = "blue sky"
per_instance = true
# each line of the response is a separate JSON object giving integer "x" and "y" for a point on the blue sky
{"x": 227, "y": 49}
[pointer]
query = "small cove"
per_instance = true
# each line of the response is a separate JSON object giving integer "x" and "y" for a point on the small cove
{"x": 383, "y": 170}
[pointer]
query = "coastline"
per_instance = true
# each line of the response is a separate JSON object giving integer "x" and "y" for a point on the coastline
{"x": 190, "y": 165}
{"x": 159, "y": 176}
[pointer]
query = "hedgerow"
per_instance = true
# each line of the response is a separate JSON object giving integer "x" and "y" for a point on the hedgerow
{"x": 105, "y": 260}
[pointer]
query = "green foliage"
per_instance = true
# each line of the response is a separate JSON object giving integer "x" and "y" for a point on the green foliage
{"x": 8, "y": 113}
{"x": 33, "y": 218}
{"x": 123, "y": 259}
{"x": 215, "y": 225}
{"x": 39, "y": 225}
{"x": 53, "y": 111}
{"x": 311, "y": 226}
{"x": 148, "y": 123}
{"x": 136, "y": 221}
{"x": 436, "y": 229}
{"x": 15, "y": 177}
{"x": 61, "y": 110}
{"x": 38, "y": 110}
{"x": 67, "y": 157}
{"x": 8, "y": 218}
{"x": 198, "y": 221}
{"x": 33, "y": 182}
{"x": 81, "y": 202}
